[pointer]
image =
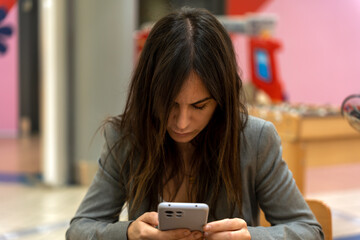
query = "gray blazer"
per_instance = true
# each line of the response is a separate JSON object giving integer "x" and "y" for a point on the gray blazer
{"x": 267, "y": 183}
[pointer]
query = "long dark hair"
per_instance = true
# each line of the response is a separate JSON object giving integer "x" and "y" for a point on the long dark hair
{"x": 185, "y": 41}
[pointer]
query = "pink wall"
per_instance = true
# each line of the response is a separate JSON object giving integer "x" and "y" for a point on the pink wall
{"x": 9, "y": 79}
{"x": 320, "y": 59}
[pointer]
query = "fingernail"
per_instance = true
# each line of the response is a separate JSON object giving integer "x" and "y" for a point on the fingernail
{"x": 197, "y": 235}
{"x": 186, "y": 233}
{"x": 207, "y": 228}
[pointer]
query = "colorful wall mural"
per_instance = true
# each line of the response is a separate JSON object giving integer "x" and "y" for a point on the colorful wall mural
{"x": 8, "y": 68}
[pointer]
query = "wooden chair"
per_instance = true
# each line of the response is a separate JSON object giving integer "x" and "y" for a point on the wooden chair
{"x": 322, "y": 213}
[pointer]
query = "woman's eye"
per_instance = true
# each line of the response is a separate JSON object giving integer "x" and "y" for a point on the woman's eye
{"x": 200, "y": 107}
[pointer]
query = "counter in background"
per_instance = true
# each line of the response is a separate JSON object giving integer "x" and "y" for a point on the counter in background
{"x": 311, "y": 136}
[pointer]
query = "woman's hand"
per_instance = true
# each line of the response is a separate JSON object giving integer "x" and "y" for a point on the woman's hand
{"x": 227, "y": 229}
{"x": 144, "y": 228}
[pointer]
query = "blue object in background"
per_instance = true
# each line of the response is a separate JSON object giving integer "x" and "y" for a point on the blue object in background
{"x": 5, "y": 31}
{"x": 24, "y": 178}
{"x": 262, "y": 65}
{"x": 355, "y": 237}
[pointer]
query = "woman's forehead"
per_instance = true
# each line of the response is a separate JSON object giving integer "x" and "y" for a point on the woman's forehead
{"x": 192, "y": 90}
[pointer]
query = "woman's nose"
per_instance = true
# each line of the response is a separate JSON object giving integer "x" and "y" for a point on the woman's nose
{"x": 182, "y": 119}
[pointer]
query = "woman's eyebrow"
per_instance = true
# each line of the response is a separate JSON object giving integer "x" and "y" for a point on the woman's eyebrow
{"x": 200, "y": 101}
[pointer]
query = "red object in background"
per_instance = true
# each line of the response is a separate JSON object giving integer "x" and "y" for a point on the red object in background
{"x": 140, "y": 39}
{"x": 239, "y": 7}
{"x": 7, "y": 4}
{"x": 264, "y": 67}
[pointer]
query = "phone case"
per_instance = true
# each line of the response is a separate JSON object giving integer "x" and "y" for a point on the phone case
{"x": 192, "y": 216}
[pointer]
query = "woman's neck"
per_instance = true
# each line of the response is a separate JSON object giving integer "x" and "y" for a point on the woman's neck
{"x": 186, "y": 150}
{"x": 178, "y": 189}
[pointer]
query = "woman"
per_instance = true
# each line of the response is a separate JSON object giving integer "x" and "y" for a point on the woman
{"x": 185, "y": 136}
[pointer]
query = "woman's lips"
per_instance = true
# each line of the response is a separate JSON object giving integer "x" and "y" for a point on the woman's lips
{"x": 182, "y": 134}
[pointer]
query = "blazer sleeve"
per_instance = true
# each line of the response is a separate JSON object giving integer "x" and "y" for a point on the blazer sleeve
{"x": 278, "y": 196}
{"x": 98, "y": 215}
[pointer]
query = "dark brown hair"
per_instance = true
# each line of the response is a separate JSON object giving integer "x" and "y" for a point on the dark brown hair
{"x": 184, "y": 41}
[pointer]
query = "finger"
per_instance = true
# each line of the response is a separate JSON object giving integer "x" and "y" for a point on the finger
{"x": 225, "y": 225}
{"x": 194, "y": 235}
{"x": 139, "y": 229}
{"x": 197, "y": 235}
{"x": 150, "y": 218}
{"x": 144, "y": 231}
{"x": 242, "y": 234}
{"x": 183, "y": 234}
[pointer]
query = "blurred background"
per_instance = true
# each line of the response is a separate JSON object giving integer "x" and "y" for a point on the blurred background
{"x": 65, "y": 66}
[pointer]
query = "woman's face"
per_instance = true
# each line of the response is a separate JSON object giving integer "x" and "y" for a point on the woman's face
{"x": 191, "y": 111}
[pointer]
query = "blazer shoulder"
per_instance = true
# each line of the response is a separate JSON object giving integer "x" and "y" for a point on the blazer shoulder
{"x": 110, "y": 133}
{"x": 254, "y": 125}
{"x": 258, "y": 130}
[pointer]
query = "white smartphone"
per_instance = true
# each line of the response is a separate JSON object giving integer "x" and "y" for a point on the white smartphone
{"x": 174, "y": 215}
